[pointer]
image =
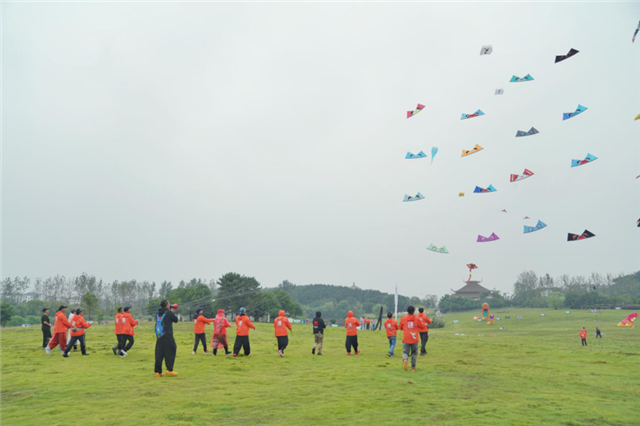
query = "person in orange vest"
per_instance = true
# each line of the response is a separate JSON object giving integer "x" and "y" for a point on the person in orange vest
{"x": 351, "y": 324}
{"x": 424, "y": 335}
{"x": 391, "y": 327}
{"x": 281, "y": 324}
{"x": 59, "y": 330}
{"x": 117, "y": 349}
{"x": 220, "y": 325}
{"x": 78, "y": 325}
{"x": 243, "y": 324}
{"x": 583, "y": 336}
{"x": 198, "y": 329}
{"x": 127, "y": 329}
{"x": 410, "y": 325}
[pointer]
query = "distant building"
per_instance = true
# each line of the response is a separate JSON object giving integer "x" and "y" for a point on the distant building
{"x": 354, "y": 286}
{"x": 471, "y": 290}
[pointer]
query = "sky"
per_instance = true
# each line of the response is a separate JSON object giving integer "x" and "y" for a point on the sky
{"x": 157, "y": 141}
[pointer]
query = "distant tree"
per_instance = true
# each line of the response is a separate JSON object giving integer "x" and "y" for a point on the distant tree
{"x": 555, "y": 300}
{"x": 236, "y": 291}
{"x": 165, "y": 289}
{"x": 90, "y": 303}
{"x": 6, "y": 312}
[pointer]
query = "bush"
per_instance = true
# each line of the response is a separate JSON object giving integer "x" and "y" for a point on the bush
{"x": 15, "y": 321}
{"x": 32, "y": 319}
{"x": 437, "y": 323}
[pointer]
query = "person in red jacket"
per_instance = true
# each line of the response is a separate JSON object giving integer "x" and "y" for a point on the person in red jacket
{"x": 59, "y": 330}
{"x": 583, "y": 336}
{"x": 117, "y": 349}
{"x": 220, "y": 325}
{"x": 351, "y": 324}
{"x": 281, "y": 324}
{"x": 78, "y": 325}
{"x": 243, "y": 324}
{"x": 127, "y": 329}
{"x": 410, "y": 325}
{"x": 424, "y": 335}
{"x": 198, "y": 329}
{"x": 391, "y": 327}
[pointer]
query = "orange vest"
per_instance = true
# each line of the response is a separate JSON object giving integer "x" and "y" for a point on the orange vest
{"x": 411, "y": 325}
{"x": 281, "y": 324}
{"x": 425, "y": 320}
{"x": 78, "y": 325}
{"x": 243, "y": 324}
{"x": 201, "y": 321}
{"x": 128, "y": 323}
{"x": 391, "y": 326}
{"x": 62, "y": 323}
{"x": 119, "y": 323}
{"x": 351, "y": 324}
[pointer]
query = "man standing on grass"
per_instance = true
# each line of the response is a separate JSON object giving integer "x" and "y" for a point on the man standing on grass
{"x": 281, "y": 324}
{"x": 424, "y": 335}
{"x": 46, "y": 327}
{"x": 220, "y": 325}
{"x": 318, "y": 333}
{"x": 243, "y": 324}
{"x": 391, "y": 327}
{"x": 583, "y": 336}
{"x": 351, "y": 324}
{"x": 127, "y": 329}
{"x": 410, "y": 325}
{"x": 198, "y": 330}
{"x": 119, "y": 348}
{"x": 598, "y": 333}
{"x": 165, "y": 344}
{"x": 78, "y": 325}
{"x": 59, "y": 330}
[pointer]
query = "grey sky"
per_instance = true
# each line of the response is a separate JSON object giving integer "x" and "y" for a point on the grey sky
{"x": 166, "y": 141}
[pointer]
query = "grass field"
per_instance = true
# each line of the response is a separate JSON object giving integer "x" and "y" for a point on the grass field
{"x": 532, "y": 372}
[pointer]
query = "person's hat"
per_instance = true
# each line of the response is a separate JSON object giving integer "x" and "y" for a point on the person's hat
{"x": 78, "y": 311}
{"x": 45, "y": 309}
{"x": 126, "y": 308}
{"x": 243, "y": 310}
{"x": 62, "y": 307}
{"x": 198, "y": 310}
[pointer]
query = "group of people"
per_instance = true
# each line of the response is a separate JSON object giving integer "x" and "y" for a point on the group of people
{"x": 67, "y": 332}
{"x": 583, "y": 335}
{"x": 124, "y": 324}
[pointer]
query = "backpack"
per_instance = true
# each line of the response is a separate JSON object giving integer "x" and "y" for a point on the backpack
{"x": 159, "y": 326}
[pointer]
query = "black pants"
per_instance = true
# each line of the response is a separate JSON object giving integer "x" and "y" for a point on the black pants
{"x": 584, "y": 342}
{"x": 283, "y": 342}
{"x": 165, "y": 350}
{"x": 352, "y": 341}
{"x": 127, "y": 341}
{"x": 424, "y": 338}
{"x": 242, "y": 341}
{"x": 200, "y": 338}
{"x": 46, "y": 336}
{"x": 74, "y": 342}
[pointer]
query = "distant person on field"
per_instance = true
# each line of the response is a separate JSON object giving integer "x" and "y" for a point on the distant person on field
{"x": 220, "y": 325}
{"x": 59, "y": 330}
{"x": 583, "y": 336}
{"x": 281, "y": 324}
{"x": 78, "y": 325}
{"x": 117, "y": 349}
{"x": 410, "y": 325}
{"x": 424, "y": 335}
{"x": 243, "y": 324}
{"x": 351, "y": 324}
{"x": 46, "y": 327}
{"x": 598, "y": 333}
{"x": 198, "y": 329}
{"x": 127, "y": 329}
{"x": 391, "y": 327}
{"x": 318, "y": 333}
{"x": 71, "y": 315}
{"x": 165, "y": 344}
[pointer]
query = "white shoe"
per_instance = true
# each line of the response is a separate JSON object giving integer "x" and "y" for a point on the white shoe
{"x": 123, "y": 353}
{"x": 47, "y": 350}
{"x": 193, "y": 353}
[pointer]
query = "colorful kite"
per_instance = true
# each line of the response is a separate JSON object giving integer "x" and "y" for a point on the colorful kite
{"x": 479, "y": 190}
{"x": 475, "y": 149}
{"x": 419, "y": 108}
{"x": 579, "y": 110}
{"x": 633, "y": 40}
{"x": 575, "y": 237}
{"x": 561, "y": 58}
{"x": 442, "y": 250}
{"x": 434, "y": 151}
{"x": 516, "y": 79}
{"x": 526, "y": 217}
{"x": 492, "y": 237}
{"x": 532, "y": 131}
{"x": 539, "y": 226}
{"x": 460, "y": 194}
{"x": 637, "y": 117}
{"x": 471, "y": 267}
{"x": 638, "y": 223}
{"x": 500, "y": 91}
{"x": 486, "y": 50}
{"x": 589, "y": 158}
{"x": 478, "y": 113}
{"x": 418, "y": 197}
{"x": 503, "y": 211}
{"x": 515, "y": 178}
{"x": 411, "y": 156}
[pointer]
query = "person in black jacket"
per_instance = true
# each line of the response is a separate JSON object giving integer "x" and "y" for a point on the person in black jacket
{"x": 318, "y": 333}
{"x": 46, "y": 327}
{"x": 165, "y": 344}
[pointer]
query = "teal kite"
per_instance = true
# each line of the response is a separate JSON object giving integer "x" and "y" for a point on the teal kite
{"x": 411, "y": 156}
{"x": 442, "y": 250}
{"x": 516, "y": 79}
{"x": 539, "y": 226}
{"x": 434, "y": 151}
{"x": 579, "y": 110}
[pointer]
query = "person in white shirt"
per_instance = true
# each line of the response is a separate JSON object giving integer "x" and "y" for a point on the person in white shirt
{"x": 71, "y": 315}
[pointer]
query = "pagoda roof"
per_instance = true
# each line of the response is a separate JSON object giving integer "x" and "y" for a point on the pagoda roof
{"x": 472, "y": 287}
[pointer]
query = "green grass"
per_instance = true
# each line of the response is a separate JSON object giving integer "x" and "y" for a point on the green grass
{"x": 532, "y": 372}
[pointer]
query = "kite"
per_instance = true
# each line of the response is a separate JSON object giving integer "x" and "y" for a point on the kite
{"x": 589, "y": 158}
{"x": 526, "y": 217}
{"x": 479, "y": 190}
{"x": 418, "y": 197}
{"x": 532, "y": 131}
{"x": 434, "y": 151}
{"x": 633, "y": 40}
{"x": 411, "y": 156}
{"x": 638, "y": 223}
{"x": 637, "y": 117}
{"x": 499, "y": 91}
{"x": 503, "y": 211}
{"x": 471, "y": 267}
{"x": 516, "y": 79}
{"x": 478, "y": 113}
{"x": 492, "y": 237}
{"x": 561, "y": 58}
{"x": 460, "y": 194}
{"x": 575, "y": 237}
{"x": 486, "y": 50}
{"x": 475, "y": 149}
{"x": 515, "y": 178}
{"x": 442, "y": 250}
{"x": 628, "y": 321}
{"x": 539, "y": 226}
{"x": 579, "y": 110}
{"x": 419, "y": 108}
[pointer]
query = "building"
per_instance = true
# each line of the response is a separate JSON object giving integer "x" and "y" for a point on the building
{"x": 471, "y": 290}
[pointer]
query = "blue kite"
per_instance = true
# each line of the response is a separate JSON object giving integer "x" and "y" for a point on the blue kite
{"x": 418, "y": 197}
{"x": 478, "y": 113}
{"x": 579, "y": 110}
{"x": 479, "y": 190}
{"x": 434, "y": 151}
{"x": 589, "y": 158}
{"x": 516, "y": 79}
{"x": 411, "y": 156}
{"x": 539, "y": 226}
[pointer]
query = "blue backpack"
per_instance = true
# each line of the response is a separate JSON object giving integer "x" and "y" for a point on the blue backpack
{"x": 159, "y": 326}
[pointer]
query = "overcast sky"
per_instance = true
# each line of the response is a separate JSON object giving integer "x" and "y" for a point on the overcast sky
{"x": 169, "y": 141}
